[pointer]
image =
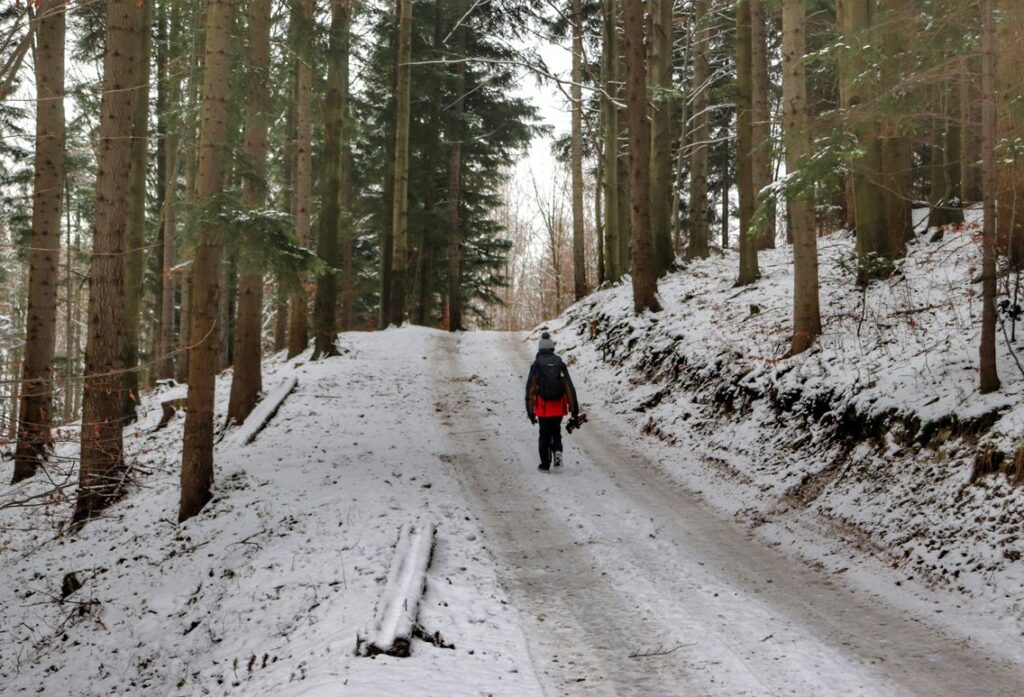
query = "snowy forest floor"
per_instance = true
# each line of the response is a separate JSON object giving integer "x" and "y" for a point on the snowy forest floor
{"x": 711, "y": 532}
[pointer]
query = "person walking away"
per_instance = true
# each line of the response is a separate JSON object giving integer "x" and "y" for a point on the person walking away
{"x": 550, "y": 395}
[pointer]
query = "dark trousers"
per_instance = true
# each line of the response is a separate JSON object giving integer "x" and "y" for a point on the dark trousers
{"x": 550, "y": 438}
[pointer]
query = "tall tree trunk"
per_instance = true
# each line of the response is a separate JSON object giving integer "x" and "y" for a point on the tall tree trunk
{"x": 425, "y": 267}
{"x": 645, "y": 278}
{"x": 298, "y": 336}
{"x": 726, "y": 183}
{"x": 1009, "y": 78}
{"x": 946, "y": 206}
{"x": 697, "y": 247}
{"x": 744, "y": 145}
{"x": 101, "y": 473}
{"x": 13, "y": 398}
{"x": 610, "y": 143}
{"x": 873, "y": 249}
{"x": 70, "y": 306}
{"x": 190, "y": 152}
{"x": 185, "y": 326}
{"x": 283, "y": 300}
{"x": 970, "y": 144}
{"x": 799, "y": 145}
{"x": 36, "y": 412}
{"x": 197, "y": 453}
{"x": 599, "y": 213}
{"x": 172, "y": 83}
{"x": 247, "y": 381}
{"x": 400, "y": 213}
{"x": 624, "y": 207}
{"x": 661, "y": 190}
{"x": 897, "y": 147}
{"x": 387, "y": 234}
{"x": 228, "y": 285}
{"x": 987, "y": 357}
{"x": 455, "y": 191}
{"x": 324, "y": 310}
{"x": 685, "y": 139}
{"x": 761, "y": 125}
{"x": 135, "y": 254}
{"x": 579, "y": 263}
{"x": 425, "y": 259}
{"x": 347, "y": 192}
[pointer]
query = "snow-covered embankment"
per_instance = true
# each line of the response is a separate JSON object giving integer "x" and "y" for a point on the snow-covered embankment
{"x": 873, "y": 435}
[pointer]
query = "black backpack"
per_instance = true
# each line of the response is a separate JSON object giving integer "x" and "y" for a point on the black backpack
{"x": 550, "y": 386}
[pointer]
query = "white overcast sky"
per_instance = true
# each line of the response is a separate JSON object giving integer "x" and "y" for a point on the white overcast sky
{"x": 553, "y": 109}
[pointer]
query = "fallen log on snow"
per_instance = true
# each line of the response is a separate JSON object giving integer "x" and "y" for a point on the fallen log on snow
{"x": 263, "y": 413}
{"x": 170, "y": 409}
{"x": 394, "y": 622}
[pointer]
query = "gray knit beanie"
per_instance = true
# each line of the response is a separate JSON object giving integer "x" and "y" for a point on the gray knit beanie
{"x": 546, "y": 342}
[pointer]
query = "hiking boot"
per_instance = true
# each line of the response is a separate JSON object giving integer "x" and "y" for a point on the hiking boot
{"x": 544, "y": 467}
{"x": 558, "y": 459}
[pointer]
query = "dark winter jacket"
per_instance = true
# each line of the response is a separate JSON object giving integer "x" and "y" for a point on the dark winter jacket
{"x": 535, "y": 404}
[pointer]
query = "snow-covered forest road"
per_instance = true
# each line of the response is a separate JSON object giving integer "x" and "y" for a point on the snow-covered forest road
{"x": 540, "y": 583}
{"x": 608, "y": 558}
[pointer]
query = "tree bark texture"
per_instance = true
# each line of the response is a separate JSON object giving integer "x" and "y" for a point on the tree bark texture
{"x": 455, "y": 308}
{"x": 699, "y": 238}
{"x": 197, "y": 453}
{"x": 135, "y": 255}
{"x": 102, "y": 471}
{"x": 645, "y": 278}
{"x": 744, "y": 146}
{"x": 799, "y": 145}
{"x": 897, "y": 146}
{"x": 970, "y": 147}
{"x": 610, "y": 143}
{"x": 761, "y": 123}
{"x": 328, "y": 242}
{"x": 424, "y": 309}
{"x": 172, "y": 139}
{"x": 945, "y": 166}
{"x": 298, "y": 313}
{"x": 661, "y": 190}
{"x": 989, "y": 374}
{"x": 1010, "y": 129}
{"x": 873, "y": 252}
{"x": 400, "y": 212}
{"x": 348, "y": 293}
{"x": 35, "y": 413}
{"x": 579, "y": 263}
{"x": 247, "y": 380}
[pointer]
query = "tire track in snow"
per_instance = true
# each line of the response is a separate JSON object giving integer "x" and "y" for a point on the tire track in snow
{"x": 895, "y": 652}
{"x": 579, "y": 625}
{"x": 610, "y": 557}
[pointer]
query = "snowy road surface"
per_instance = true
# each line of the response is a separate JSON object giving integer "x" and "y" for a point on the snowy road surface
{"x": 545, "y": 583}
{"x": 609, "y": 558}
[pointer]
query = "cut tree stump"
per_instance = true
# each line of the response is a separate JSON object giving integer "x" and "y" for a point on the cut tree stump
{"x": 263, "y": 413}
{"x": 394, "y": 622}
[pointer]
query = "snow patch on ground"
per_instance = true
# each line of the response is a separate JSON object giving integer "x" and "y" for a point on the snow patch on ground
{"x": 871, "y": 436}
{"x": 264, "y": 592}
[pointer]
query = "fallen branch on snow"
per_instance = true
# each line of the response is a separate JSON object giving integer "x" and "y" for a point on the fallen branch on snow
{"x": 660, "y": 651}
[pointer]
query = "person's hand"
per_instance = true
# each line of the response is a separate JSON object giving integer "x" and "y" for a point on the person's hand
{"x": 533, "y": 418}
{"x": 576, "y": 414}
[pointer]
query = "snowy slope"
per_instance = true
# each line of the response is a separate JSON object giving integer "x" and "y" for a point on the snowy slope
{"x": 264, "y": 592}
{"x": 872, "y": 436}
